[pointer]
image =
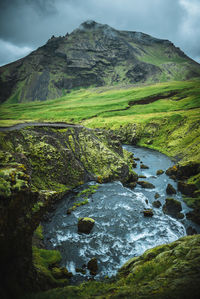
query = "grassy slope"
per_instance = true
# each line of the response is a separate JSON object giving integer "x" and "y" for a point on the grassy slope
{"x": 166, "y": 271}
{"x": 171, "y": 123}
{"x": 86, "y": 103}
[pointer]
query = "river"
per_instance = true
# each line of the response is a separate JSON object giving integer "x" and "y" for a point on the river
{"x": 121, "y": 231}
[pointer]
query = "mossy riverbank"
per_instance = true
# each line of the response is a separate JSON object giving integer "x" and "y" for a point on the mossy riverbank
{"x": 39, "y": 165}
{"x": 167, "y": 271}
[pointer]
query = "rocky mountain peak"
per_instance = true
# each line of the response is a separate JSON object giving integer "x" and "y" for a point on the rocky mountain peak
{"x": 94, "y": 54}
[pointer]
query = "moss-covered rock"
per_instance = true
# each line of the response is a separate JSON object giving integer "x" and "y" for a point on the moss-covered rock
{"x": 39, "y": 164}
{"x": 85, "y": 225}
{"x": 172, "y": 207}
{"x": 166, "y": 271}
{"x": 148, "y": 213}
{"x": 159, "y": 172}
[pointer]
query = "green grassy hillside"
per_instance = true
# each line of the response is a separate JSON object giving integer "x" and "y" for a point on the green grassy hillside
{"x": 166, "y": 114}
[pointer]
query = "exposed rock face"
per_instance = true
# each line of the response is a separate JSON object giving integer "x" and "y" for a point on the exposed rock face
{"x": 85, "y": 225}
{"x": 172, "y": 207}
{"x": 93, "y": 54}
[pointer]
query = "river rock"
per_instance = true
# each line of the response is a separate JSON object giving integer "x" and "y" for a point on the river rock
{"x": 85, "y": 225}
{"x": 132, "y": 185}
{"x": 93, "y": 266}
{"x": 187, "y": 189}
{"x": 143, "y": 166}
{"x": 60, "y": 273}
{"x": 146, "y": 185}
{"x": 134, "y": 164}
{"x": 170, "y": 189}
{"x": 172, "y": 207}
{"x": 157, "y": 195}
{"x": 157, "y": 204}
{"x": 142, "y": 176}
{"x": 80, "y": 270}
{"x": 137, "y": 159}
{"x": 159, "y": 172}
{"x": 194, "y": 215}
{"x": 148, "y": 213}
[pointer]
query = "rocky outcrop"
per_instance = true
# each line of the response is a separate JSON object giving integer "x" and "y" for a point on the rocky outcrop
{"x": 37, "y": 166}
{"x": 188, "y": 176}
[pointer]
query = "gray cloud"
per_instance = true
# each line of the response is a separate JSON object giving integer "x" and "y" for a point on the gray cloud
{"x": 29, "y": 24}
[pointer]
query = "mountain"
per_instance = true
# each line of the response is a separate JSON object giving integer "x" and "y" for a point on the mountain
{"x": 93, "y": 55}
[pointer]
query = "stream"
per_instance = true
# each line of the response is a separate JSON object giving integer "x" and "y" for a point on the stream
{"x": 121, "y": 231}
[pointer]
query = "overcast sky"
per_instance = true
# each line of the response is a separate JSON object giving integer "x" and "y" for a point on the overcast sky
{"x": 27, "y": 24}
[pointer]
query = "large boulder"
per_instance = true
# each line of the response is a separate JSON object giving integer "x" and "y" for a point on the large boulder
{"x": 93, "y": 266}
{"x": 146, "y": 185}
{"x": 170, "y": 189}
{"x": 172, "y": 207}
{"x": 85, "y": 225}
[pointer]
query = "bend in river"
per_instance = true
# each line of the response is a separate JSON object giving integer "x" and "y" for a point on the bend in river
{"x": 121, "y": 231}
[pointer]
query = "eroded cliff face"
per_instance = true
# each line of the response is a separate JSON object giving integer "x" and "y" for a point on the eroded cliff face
{"x": 38, "y": 166}
{"x": 93, "y": 55}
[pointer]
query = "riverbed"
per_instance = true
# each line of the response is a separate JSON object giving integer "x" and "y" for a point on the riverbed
{"x": 121, "y": 231}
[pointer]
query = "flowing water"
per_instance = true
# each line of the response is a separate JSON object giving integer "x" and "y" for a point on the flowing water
{"x": 121, "y": 231}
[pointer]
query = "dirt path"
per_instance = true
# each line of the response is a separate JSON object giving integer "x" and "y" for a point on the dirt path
{"x": 38, "y": 124}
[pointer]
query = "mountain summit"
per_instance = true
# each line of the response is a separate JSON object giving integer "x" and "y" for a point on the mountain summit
{"x": 93, "y": 55}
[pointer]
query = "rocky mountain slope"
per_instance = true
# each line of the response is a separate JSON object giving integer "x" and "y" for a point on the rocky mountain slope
{"x": 93, "y": 55}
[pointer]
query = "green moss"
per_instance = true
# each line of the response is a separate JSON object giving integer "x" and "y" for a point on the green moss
{"x": 166, "y": 271}
{"x": 39, "y": 232}
{"x": 44, "y": 262}
{"x": 88, "y": 192}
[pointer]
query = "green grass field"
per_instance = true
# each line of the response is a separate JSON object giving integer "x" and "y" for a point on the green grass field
{"x": 94, "y": 107}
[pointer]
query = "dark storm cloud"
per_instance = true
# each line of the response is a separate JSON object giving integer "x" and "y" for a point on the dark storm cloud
{"x": 27, "y": 24}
